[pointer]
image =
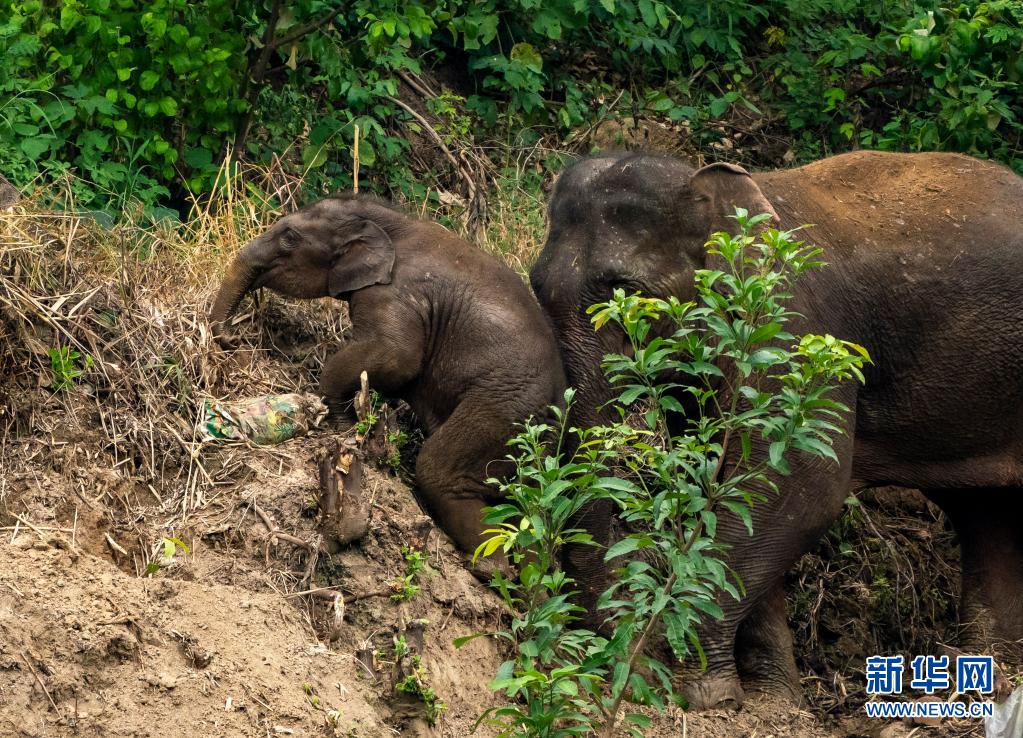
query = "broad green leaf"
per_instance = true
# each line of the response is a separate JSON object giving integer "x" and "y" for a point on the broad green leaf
{"x": 525, "y": 54}
{"x": 198, "y": 158}
{"x": 148, "y": 80}
{"x": 168, "y": 106}
{"x": 622, "y": 547}
{"x": 314, "y": 156}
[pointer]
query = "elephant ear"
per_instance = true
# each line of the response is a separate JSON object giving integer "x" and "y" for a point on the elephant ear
{"x": 721, "y": 187}
{"x": 364, "y": 256}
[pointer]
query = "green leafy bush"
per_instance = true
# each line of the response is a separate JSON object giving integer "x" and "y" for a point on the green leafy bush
{"x": 147, "y": 105}
{"x": 904, "y": 76}
{"x": 761, "y": 395}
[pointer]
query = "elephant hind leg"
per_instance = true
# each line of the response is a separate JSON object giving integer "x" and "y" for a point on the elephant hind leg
{"x": 454, "y": 464}
{"x": 763, "y": 648}
{"x": 989, "y": 524}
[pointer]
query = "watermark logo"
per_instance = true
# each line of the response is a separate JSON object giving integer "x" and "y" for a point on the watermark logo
{"x": 975, "y": 674}
{"x": 930, "y": 674}
{"x": 884, "y": 674}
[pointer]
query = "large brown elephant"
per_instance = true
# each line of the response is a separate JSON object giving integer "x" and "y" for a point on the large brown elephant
{"x": 925, "y": 256}
{"x": 435, "y": 322}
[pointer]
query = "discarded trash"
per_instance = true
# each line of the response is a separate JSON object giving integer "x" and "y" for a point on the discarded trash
{"x": 266, "y": 419}
{"x": 1007, "y": 720}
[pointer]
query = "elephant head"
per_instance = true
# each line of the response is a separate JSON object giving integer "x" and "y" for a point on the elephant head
{"x": 331, "y": 248}
{"x": 635, "y": 222}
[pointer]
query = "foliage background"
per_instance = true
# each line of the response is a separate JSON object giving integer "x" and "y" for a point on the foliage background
{"x": 144, "y": 105}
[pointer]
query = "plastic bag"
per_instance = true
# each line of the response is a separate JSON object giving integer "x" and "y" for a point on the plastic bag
{"x": 267, "y": 419}
{"x": 1007, "y": 720}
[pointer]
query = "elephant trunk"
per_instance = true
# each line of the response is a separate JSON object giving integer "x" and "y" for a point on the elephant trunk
{"x": 583, "y": 352}
{"x": 241, "y": 275}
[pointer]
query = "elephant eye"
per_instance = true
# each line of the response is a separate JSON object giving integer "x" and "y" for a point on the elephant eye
{"x": 290, "y": 239}
{"x": 612, "y": 282}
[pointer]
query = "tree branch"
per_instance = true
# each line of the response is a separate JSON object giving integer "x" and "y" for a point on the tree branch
{"x": 307, "y": 28}
{"x": 466, "y": 177}
{"x": 254, "y": 81}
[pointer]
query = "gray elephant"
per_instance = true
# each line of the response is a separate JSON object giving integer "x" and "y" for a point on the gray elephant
{"x": 925, "y": 257}
{"x": 435, "y": 322}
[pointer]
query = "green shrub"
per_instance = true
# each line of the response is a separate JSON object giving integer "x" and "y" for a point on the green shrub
{"x": 67, "y": 366}
{"x": 754, "y": 385}
{"x": 146, "y": 106}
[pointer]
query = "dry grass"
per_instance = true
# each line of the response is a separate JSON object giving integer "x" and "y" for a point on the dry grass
{"x": 512, "y": 223}
{"x": 134, "y": 300}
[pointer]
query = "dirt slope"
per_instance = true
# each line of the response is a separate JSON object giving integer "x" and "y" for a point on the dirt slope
{"x": 207, "y": 646}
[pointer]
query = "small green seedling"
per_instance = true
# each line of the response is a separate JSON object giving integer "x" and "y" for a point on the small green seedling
{"x": 398, "y": 439}
{"x": 406, "y": 587}
{"x": 168, "y": 547}
{"x": 68, "y": 366}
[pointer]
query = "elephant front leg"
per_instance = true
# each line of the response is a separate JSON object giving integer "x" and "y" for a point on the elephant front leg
{"x": 748, "y": 650}
{"x": 451, "y": 472}
{"x": 717, "y": 686}
{"x": 753, "y": 634}
{"x": 763, "y": 648}
{"x": 389, "y": 367}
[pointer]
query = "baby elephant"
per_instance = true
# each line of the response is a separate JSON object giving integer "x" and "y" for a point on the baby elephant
{"x": 435, "y": 322}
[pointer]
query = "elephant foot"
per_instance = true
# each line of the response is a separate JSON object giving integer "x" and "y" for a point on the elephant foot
{"x": 713, "y": 691}
{"x": 770, "y": 671}
{"x": 768, "y": 686}
{"x": 764, "y": 654}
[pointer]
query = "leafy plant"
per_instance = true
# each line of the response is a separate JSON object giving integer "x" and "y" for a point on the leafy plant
{"x": 67, "y": 366}
{"x": 406, "y": 587}
{"x": 167, "y": 548}
{"x": 155, "y": 107}
{"x": 397, "y": 439}
{"x": 759, "y": 395}
{"x": 366, "y": 424}
{"x": 415, "y": 682}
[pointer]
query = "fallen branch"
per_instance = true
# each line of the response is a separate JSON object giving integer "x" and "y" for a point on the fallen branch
{"x": 350, "y": 598}
{"x": 31, "y": 668}
{"x": 466, "y": 177}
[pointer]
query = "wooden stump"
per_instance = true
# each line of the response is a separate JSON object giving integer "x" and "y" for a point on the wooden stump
{"x": 343, "y": 503}
{"x": 378, "y": 444}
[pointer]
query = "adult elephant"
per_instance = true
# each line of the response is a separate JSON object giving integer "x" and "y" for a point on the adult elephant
{"x": 925, "y": 269}
{"x": 435, "y": 322}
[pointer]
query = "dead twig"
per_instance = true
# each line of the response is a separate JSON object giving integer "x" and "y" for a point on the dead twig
{"x": 353, "y": 597}
{"x": 115, "y": 545}
{"x": 39, "y": 680}
{"x": 470, "y": 183}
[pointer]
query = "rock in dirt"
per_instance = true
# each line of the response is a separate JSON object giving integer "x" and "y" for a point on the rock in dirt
{"x": 9, "y": 194}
